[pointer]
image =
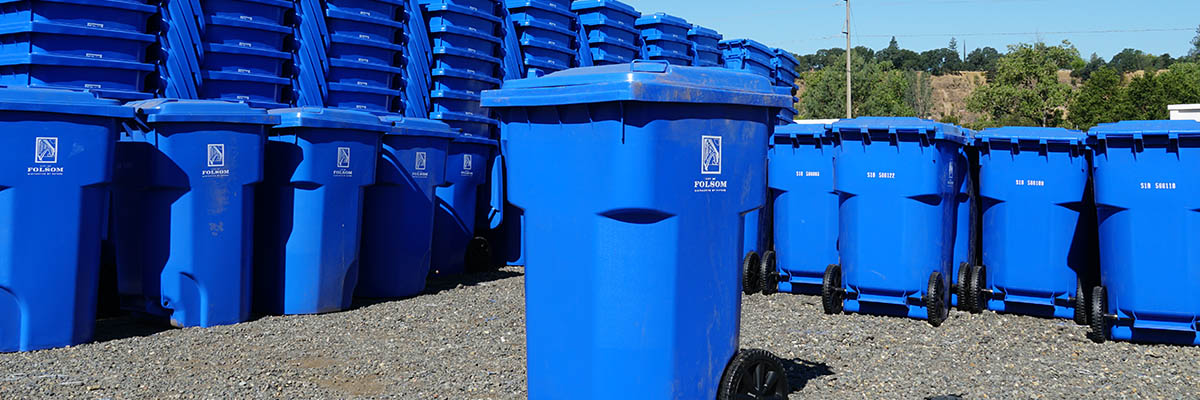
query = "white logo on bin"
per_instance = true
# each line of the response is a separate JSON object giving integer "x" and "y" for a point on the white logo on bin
{"x": 467, "y": 165}
{"x": 419, "y": 165}
{"x": 216, "y": 155}
{"x": 710, "y": 155}
{"x": 343, "y": 159}
{"x": 420, "y": 161}
{"x": 45, "y": 150}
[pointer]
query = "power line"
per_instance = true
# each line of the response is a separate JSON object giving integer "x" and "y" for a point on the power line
{"x": 1031, "y": 33}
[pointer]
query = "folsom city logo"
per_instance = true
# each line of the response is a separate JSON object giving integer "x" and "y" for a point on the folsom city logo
{"x": 215, "y": 160}
{"x": 710, "y": 164}
{"x": 343, "y": 163}
{"x": 45, "y": 151}
{"x": 420, "y": 162}
{"x": 419, "y": 165}
{"x": 468, "y": 164}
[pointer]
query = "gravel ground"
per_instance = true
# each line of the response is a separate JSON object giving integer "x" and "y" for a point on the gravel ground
{"x": 465, "y": 340}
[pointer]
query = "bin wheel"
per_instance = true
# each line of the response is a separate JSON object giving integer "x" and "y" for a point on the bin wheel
{"x": 935, "y": 302}
{"x": 977, "y": 287}
{"x": 750, "y": 266}
{"x": 1100, "y": 325}
{"x": 478, "y": 256}
{"x": 768, "y": 276}
{"x": 831, "y": 289}
{"x": 754, "y": 374}
{"x": 1082, "y": 303}
{"x": 960, "y": 286}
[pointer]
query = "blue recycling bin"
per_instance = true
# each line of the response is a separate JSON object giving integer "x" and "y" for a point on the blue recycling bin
{"x": 1037, "y": 243}
{"x": 800, "y": 176}
{"x": 398, "y": 210}
{"x": 318, "y": 161}
{"x": 636, "y": 176}
{"x": 53, "y": 190}
{"x": 1147, "y": 194}
{"x": 183, "y": 209}
{"x": 455, "y": 243}
{"x": 897, "y": 181}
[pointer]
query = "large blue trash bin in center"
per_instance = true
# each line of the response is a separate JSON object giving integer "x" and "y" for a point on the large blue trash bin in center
{"x": 318, "y": 160}
{"x": 183, "y": 209}
{"x": 1147, "y": 197}
{"x": 897, "y": 181}
{"x": 458, "y": 204}
{"x": 805, "y": 206}
{"x": 398, "y": 210}
{"x": 634, "y": 180}
{"x": 54, "y": 175}
{"x": 1038, "y": 242}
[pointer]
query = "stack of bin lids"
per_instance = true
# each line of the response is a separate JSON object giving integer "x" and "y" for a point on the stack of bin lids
{"x": 419, "y": 127}
{"x": 318, "y": 117}
{"x": 177, "y": 110}
{"x": 800, "y": 130}
{"x": 1036, "y": 134}
{"x": 662, "y": 23}
{"x": 606, "y": 12}
{"x": 1140, "y": 129}
{"x": 547, "y": 33}
{"x": 468, "y": 138}
{"x": 746, "y": 48}
{"x": 933, "y": 129}
{"x": 18, "y": 98}
{"x": 704, "y": 46}
{"x": 639, "y": 81}
{"x": 609, "y": 25}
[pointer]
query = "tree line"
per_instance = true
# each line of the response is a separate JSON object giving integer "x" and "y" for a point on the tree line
{"x": 1022, "y": 85}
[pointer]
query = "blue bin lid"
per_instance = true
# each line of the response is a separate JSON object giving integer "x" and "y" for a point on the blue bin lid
{"x": 17, "y": 98}
{"x": 179, "y": 110}
{"x": 902, "y": 125}
{"x": 701, "y": 31}
{"x": 800, "y": 130}
{"x": 465, "y": 138}
{"x": 585, "y": 5}
{"x": 316, "y": 117}
{"x": 409, "y": 126}
{"x": 733, "y": 43}
{"x": 1138, "y": 129}
{"x": 1015, "y": 134}
{"x": 650, "y": 81}
{"x": 661, "y": 18}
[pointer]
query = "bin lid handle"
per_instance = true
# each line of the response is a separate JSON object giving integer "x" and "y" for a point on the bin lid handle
{"x": 658, "y": 66}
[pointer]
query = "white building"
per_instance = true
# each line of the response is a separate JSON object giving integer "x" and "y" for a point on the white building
{"x": 1185, "y": 111}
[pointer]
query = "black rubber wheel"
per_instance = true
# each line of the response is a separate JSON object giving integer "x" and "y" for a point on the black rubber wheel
{"x": 831, "y": 290}
{"x": 960, "y": 284}
{"x": 478, "y": 256}
{"x": 935, "y": 299}
{"x": 1100, "y": 325}
{"x": 750, "y": 266}
{"x": 754, "y": 374}
{"x": 977, "y": 289}
{"x": 768, "y": 276}
{"x": 1082, "y": 304}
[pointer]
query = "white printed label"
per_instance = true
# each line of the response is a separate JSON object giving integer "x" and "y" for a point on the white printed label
{"x": 1030, "y": 182}
{"x": 92, "y": 86}
{"x": 808, "y": 173}
{"x": 419, "y": 165}
{"x": 215, "y": 160}
{"x": 361, "y": 36}
{"x": 343, "y": 163}
{"x": 45, "y": 151}
{"x": 246, "y": 18}
{"x": 243, "y": 70}
{"x": 711, "y": 154}
{"x": 245, "y": 44}
{"x": 1157, "y": 185}
{"x": 95, "y": 25}
{"x": 468, "y": 165}
{"x": 93, "y": 55}
{"x": 881, "y": 175}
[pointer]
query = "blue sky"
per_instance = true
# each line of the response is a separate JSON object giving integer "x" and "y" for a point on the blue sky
{"x": 804, "y": 26}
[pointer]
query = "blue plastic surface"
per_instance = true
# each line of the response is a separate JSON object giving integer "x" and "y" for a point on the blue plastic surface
{"x": 52, "y": 209}
{"x": 255, "y": 35}
{"x": 897, "y": 181}
{"x": 183, "y": 209}
{"x": 661, "y": 23}
{"x": 466, "y": 18}
{"x": 468, "y": 160}
{"x": 614, "y": 35}
{"x": 310, "y": 206}
{"x": 458, "y": 59}
{"x": 469, "y": 124}
{"x": 1146, "y": 199}
{"x": 383, "y": 9}
{"x": 542, "y": 10}
{"x": 73, "y": 41}
{"x": 1035, "y": 174}
{"x": 270, "y": 12}
{"x": 604, "y": 54}
{"x": 703, "y": 36}
{"x": 800, "y": 176}
{"x": 110, "y": 78}
{"x": 398, "y": 210}
{"x": 586, "y": 6}
{"x": 653, "y": 153}
{"x": 106, "y": 14}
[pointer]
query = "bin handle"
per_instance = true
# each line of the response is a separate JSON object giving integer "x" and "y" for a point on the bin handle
{"x": 496, "y": 214}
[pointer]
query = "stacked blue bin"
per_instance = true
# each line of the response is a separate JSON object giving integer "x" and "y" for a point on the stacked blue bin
{"x": 466, "y": 47}
{"x": 783, "y": 70}
{"x": 747, "y": 55}
{"x": 665, "y": 37}
{"x": 236, "y": 50}
{"x": 897, "y": 180}
{"x": 183, "y": 209}
{"x": 546, "y": 32}
{"x": 1147, "y": 194}
{"x": 398, "y": 210}
{"x": 610, "y": 28}
{"x": 805, "y": 206}
{"x": 57, "y": 165}
{"x": 350, "y": 54}
{"x": 99, "y": 45}
{"x": 704, "y": 50}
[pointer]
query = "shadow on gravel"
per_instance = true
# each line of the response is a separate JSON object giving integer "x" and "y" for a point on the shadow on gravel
{"x": 126, "y": 326}
{"x": 440, "y": 284}
{"x": 799, "y": 372}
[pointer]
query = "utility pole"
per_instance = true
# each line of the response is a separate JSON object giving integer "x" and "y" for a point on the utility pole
{"x": 849, "y": 113}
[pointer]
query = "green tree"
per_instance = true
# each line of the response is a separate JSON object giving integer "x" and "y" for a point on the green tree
{"x": 1194, "y": 53}
{"x": 982, "y": 59}
{"x": 1102, "y": 99}
{"x": 1026, "y": 90}
{"x": 878, "y": 90}
{"x": 1150, "y": 93}
{"x": 919, "y": 96}
{"x": 1130, "y": 60}
{"x": 1093, "y": 65}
